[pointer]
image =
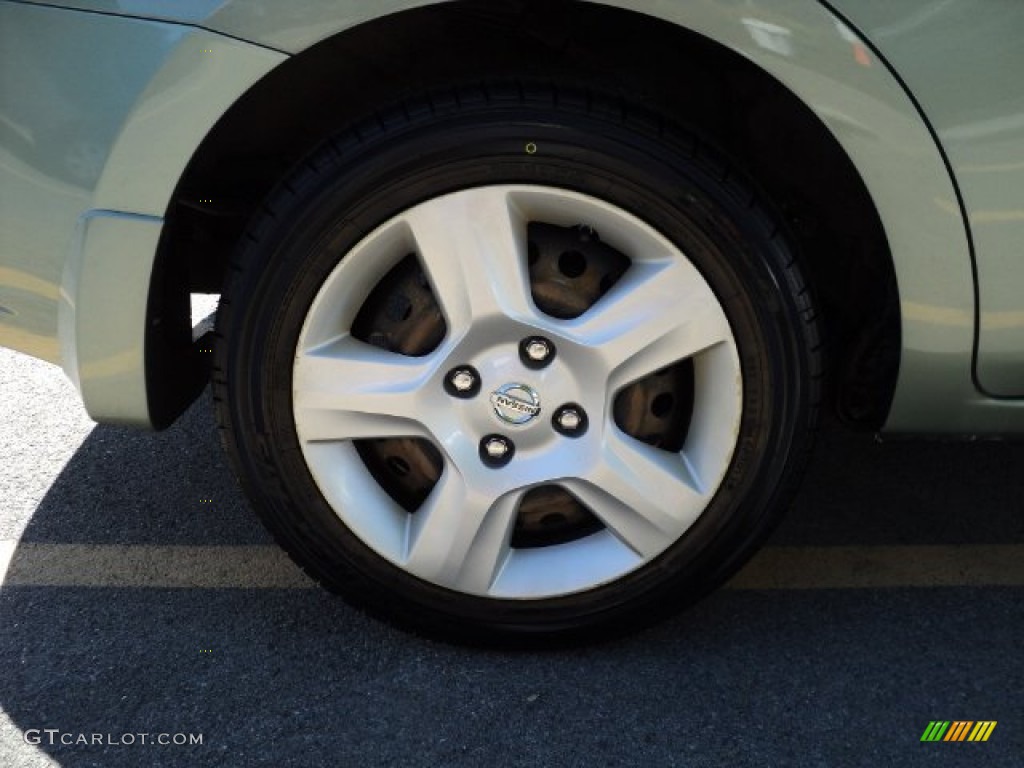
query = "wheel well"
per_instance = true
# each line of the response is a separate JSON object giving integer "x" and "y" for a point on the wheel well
{"x": 748, "y": 115}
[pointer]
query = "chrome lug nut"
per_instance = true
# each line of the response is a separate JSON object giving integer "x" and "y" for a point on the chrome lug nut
{"x": 536, "y": 352}
{"x": 496, "y": 448}
{"x": 570, "y": 420}
{"x": 463, "y": 382}
{"x": 496, "y": 451}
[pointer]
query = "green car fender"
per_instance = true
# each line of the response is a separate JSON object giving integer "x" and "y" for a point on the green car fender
{"x": 804, "y": 46}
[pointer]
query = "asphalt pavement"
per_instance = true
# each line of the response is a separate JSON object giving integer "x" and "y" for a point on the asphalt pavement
{"x": 142, "y": 603}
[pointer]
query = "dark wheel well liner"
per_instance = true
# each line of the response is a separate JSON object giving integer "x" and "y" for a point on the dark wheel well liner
{"x": 718, "y": 94}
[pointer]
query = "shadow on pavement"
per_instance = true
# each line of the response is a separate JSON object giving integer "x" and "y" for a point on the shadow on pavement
{"x": 281, "y": 677}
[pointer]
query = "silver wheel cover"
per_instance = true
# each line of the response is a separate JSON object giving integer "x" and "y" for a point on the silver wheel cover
{"x": 472, "y": 246}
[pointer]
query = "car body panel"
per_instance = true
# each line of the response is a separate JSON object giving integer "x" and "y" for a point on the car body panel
{"x": 110, "y": 257}
{"x": 57, "y": 127}
{"x": 289, "y": 26}
{"x": 799, "y": 42}
{"x": 962, "y": 61}
{"x": 193, "y": 12}
{"x": 99, "y": 116}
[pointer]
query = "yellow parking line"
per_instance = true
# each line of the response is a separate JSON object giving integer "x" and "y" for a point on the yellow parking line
{"x": 267, "y": 567}
{"x": 139, "y": 565}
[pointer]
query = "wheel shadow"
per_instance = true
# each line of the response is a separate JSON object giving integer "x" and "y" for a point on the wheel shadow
{"x": 125, "y": 486}
{"x": 284, "y": 677}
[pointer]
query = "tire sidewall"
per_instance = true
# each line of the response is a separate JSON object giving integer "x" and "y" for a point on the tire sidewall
{"x": 674, "y": 185}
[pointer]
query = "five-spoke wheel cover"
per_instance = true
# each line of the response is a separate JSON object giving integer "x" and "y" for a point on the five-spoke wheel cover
{"x": 474, "y": 248}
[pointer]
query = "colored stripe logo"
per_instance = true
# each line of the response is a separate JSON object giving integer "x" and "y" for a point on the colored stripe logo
{"x": 959, "y": 730}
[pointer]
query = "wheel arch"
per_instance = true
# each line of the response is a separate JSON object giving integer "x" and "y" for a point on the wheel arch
{"x": 835, "y": 142}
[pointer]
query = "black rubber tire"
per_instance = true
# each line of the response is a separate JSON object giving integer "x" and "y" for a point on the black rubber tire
{"x": 478, "y": 135}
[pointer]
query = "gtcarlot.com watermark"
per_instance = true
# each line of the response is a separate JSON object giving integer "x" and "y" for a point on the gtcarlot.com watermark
{"x": 55, "y": 736}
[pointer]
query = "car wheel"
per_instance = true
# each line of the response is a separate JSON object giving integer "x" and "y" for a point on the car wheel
{"x": 514, "y": 363}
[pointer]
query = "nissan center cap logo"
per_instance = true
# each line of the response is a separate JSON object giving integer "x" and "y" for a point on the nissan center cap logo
{"x": 515, "y": 403}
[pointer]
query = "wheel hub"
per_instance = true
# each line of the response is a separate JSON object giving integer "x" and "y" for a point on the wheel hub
{"x": 515, "y": 404}
{"x": 531, "y": 410}
{"x": 570, "y": 269}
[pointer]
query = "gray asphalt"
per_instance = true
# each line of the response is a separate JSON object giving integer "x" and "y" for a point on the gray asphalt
{"x": 293, "y": 677}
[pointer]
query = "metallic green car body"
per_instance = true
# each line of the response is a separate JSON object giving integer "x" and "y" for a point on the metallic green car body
{"x": 101, "y": 112}
{"x": 960, "y": 60}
